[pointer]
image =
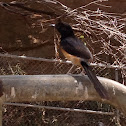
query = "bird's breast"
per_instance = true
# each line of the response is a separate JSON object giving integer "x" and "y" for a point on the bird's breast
{"x": 74, "y": 59}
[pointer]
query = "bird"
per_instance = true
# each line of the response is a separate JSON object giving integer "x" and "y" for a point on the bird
{"x": 79, "y": 54}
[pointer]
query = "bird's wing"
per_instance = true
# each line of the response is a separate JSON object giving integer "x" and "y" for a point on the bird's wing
{"x": 74, "y": 46}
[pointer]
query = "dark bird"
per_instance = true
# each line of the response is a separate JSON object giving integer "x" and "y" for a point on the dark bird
{"x": 77, "y": 52}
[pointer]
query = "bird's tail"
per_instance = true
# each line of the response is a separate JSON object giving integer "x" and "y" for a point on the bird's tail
{"x": 97, "y": 85}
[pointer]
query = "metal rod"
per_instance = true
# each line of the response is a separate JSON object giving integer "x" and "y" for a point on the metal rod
{"x": 117, "y": 111}
{"x": 116, "y": 75}
{"x": 61, "y": 61}
{"x": 1, "y": 103}
{"x": 61, "y": 109}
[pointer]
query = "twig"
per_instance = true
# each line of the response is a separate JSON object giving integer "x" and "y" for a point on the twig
{"x": 21, "y": 6}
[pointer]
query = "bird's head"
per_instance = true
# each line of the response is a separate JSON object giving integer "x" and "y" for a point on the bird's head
{"x": 64, "y": 29}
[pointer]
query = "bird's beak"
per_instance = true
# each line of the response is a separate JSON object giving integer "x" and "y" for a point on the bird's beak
{"x": 52, "y": 25}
